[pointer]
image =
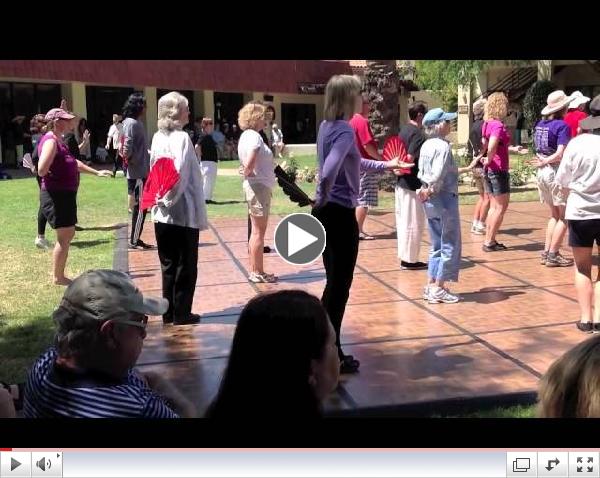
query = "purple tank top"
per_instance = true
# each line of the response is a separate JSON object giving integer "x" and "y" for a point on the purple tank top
{"x": 63, "y": 174}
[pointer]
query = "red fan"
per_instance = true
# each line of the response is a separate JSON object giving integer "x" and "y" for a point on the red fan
{"x": 394, "y": 148}
{"x": 163, "y": 176}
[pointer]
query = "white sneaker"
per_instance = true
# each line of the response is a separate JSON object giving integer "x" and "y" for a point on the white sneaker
{"x": 42, "y": 243}
{"x": 442, "y": 296}
{"x": 262, "y": 278}
{"x": 478, "y": 229}
{"x": 426, "y": 292}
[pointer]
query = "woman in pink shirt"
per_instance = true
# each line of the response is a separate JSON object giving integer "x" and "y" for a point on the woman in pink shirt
{"x": 496, "y": 141}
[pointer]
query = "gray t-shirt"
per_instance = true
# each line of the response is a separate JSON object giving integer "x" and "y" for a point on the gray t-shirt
{"x": 135, "y": 147}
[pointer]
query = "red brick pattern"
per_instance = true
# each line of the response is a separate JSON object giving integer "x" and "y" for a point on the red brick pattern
{"x": 516, "y": 316}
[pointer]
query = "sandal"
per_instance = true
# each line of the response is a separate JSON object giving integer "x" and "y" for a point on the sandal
{"x": 18, "y": 402}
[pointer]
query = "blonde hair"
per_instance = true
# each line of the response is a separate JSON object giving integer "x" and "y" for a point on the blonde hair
{"x": 571, "y": 386}
{"x": 496, "y": 107}
{"x": 250, "y": 114}
{"x": 115, "y": 118}
{"x": 340, "y": 97}
{"x": 169, "y": 111}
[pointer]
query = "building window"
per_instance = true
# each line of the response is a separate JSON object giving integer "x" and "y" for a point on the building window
{"x": 299, "y": 123}
{"x": 102, "y": 102}
{"x": 227, "y": 107}
{"x": 22, "y": 99}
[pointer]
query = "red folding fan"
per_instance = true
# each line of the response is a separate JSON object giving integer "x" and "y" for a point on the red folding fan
{"x": 394, "y": 148}
{"x": 163, "y": 176}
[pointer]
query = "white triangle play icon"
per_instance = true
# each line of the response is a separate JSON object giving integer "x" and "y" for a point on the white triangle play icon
{"x": 298, "y": 239}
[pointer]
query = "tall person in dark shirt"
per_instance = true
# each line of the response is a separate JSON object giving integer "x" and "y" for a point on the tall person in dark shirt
{"x": 206, "y": 150}
{"x": 135, "y": 153}
{"x": 410, "y": 215}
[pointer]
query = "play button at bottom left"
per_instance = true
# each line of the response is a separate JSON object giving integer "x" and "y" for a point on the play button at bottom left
{"x": 15, "y": 464}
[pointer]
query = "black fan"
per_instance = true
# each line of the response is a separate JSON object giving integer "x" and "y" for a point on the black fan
{"x": 291, "y": 189}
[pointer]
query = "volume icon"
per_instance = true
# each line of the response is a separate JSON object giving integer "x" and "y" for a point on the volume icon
{"x": 43, "y": 464}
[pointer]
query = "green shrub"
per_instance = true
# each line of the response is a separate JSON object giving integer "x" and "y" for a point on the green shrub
{"x": 535, "y": 101}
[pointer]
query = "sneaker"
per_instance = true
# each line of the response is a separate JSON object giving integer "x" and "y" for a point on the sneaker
{"x": 442, "y": 296}
{"x": 478, "y": 229}
{"x": 426, "y": 292}
{"x": 494, "y": 246}
{"x": 412, "y": 266}
{"x": 365, "y": 237}
{"x": 261, "y": 278}
{"x": 556, "y": 260}
{"x": 544, "y": 258}
{"x": 140, "y": 245}
{"x": 42, "y": 243}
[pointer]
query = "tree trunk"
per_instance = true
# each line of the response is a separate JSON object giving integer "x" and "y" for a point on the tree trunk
{"x": 381, "y": 83}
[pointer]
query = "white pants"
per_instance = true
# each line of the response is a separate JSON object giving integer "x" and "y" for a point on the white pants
{"x": 410, "y": 221}
{"x": 209, "y": 175}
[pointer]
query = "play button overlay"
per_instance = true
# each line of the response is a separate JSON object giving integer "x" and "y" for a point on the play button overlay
{"x": 300, "y": 239}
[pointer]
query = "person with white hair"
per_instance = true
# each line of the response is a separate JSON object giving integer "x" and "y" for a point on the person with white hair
{"x": 576, "y": 112}
{"x": 438, "y": 173}
{"x": 180, "y": 215}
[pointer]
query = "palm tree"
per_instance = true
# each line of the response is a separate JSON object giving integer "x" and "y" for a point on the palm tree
{"x": 381, "y": 83}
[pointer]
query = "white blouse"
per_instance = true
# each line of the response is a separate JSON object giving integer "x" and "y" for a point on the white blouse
{"x": 184, "y": 204}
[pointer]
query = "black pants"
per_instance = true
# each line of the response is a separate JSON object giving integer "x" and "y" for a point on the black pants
{"x": 41, "y": 219}
{"x": 116, "y": 159}
{"x": 178, "y": 254}
{"x": 137, "y": 217}
{"x": 339, "y": 259}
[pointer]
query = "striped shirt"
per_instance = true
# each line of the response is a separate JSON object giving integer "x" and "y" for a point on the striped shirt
{"x": 54, "y": 392}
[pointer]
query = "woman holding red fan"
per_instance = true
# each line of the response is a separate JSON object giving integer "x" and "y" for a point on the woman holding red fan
{"x": 179, "y": 212}
{"x": 336, "y": 198}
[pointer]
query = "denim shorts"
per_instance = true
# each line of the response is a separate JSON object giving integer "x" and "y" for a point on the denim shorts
{"x": 497, "y": 182}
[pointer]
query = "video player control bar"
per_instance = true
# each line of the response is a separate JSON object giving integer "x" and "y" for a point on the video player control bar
{"x": 297, "y": 463}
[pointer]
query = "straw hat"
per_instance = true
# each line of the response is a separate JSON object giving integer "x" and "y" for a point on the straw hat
{"x": 556, "y": 101}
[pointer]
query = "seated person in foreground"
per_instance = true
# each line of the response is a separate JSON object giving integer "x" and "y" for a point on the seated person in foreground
{"x": 101, "y": 325}
{"x": 283, "y": 361}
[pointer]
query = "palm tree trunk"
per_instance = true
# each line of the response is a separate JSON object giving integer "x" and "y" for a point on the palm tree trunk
{"x": 381, "y": 83}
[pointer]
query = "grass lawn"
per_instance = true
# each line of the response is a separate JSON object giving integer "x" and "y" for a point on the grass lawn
{"x": 28, "y": 296}
{"x": 518, "y": 411}
{"x": 305, "y": 160}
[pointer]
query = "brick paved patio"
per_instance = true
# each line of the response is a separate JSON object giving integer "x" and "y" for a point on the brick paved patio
{"x": 516, "y": 316}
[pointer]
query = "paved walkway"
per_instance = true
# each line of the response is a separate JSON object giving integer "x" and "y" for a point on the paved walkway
{"x": 516, "y": 316}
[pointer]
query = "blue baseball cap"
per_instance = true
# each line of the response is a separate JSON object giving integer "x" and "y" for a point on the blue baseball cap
{"x": 437, "y": 115}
